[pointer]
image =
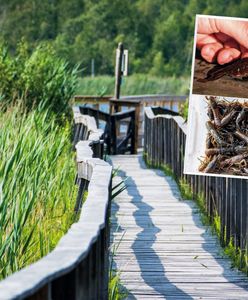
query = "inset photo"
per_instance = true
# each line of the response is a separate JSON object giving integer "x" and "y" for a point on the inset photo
{"x": 217, "y": 139}
{"x": 220, "y": 61}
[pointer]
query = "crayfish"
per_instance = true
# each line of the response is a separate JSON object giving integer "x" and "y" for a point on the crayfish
{"x": 227, "y": 139}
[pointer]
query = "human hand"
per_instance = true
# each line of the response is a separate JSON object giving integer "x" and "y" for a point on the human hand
{"x": 223, "y": 40}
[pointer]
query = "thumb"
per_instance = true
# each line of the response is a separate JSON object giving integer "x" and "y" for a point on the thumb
{"x": 235, "y": 29}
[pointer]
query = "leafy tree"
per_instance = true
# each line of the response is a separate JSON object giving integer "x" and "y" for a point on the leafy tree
{"x": 80, "y": 30}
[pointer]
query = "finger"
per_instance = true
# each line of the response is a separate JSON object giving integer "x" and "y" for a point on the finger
{"x": 244, "y": 55}
{"x": 227, "y": 55}
{"x": 227, "y": 41}
{"x": 238, "y": 30}
{"x": 222, "y": 37}
{"x": 233, "y": 53}
{"x": 209, "y": 51}
{"x": 206, "y": 25}
{"x": 203, "y": 39}
{"x": 231, "y": 43}
{"x": 244, "y": 52}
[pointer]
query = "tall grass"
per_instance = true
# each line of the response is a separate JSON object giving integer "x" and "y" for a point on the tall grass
{"x": 37, "y": 190}
{"x": 137, "y": 84}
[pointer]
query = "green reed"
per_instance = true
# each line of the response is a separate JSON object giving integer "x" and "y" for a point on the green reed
{"x": 37, "y": 191}
{"x": 136, "y": 84}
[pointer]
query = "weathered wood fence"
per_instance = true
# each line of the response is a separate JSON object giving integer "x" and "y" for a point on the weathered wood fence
{"x": 139, "y": 102}
{"x": 117, "y": 142}
{"x": 164, "y": 143}
{"x": 77, "y": 268}
{"x": 170, "y": 101}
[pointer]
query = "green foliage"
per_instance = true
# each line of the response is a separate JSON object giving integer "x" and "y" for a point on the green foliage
{"x": 37, "y": 171}
{"x": 136, "y": 84}
{"x": 217, "y": 225}
{"x": 37, "y": 192}
{"x": 185, "y": 189}
{"x": 184, "y": 110}
{"x": 37, "y": 79}
{"x": 238, "y": 257}
{"x": 158, "y": 68}
{"x": 7, "y": 74}
{"x": 47, "y": 80}
{"x": 118, "y": 188}
{"x": 116, "y": 290}
{"x": 159, "y": 34}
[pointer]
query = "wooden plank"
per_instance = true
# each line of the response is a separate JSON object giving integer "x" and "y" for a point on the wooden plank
{"x": 164, "y": 251}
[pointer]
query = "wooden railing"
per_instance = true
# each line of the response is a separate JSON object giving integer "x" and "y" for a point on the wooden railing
{"x": 139, "y": 102}
{"x": 164, "y": 144}
{"x": 85, "y": 128}
{"x": 171, "y": 102}
{"x": 117, "y": 142}
{"x": 78, "y": 267}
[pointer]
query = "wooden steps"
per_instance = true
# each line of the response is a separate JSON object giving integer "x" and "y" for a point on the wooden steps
{"x": 164, "y": 251}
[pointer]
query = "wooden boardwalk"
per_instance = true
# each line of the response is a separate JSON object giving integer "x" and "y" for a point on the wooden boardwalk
{"x": 164, "y": 250}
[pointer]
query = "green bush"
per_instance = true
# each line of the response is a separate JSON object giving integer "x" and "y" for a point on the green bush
{"x": 37, "y": 171}
{"x": 38, "y": 78}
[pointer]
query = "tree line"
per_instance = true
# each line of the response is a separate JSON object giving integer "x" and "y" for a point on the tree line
{"x": 158, "y": 33}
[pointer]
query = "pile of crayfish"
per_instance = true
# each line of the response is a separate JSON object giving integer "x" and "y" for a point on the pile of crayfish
{"x": 227, "y": 138}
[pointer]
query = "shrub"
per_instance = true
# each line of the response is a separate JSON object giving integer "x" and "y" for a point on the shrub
{"x": 39, "y": 79}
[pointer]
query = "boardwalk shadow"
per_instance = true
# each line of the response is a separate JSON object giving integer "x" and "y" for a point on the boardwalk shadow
{"x": 142, "y": 247}
{"x": 213, "y": 250}
{"x": 149, "y": 261}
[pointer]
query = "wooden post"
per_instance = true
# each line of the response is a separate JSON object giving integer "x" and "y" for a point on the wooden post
{"x": 93, "y": 68}
{"x": 118, "y": 72}
{"x": 136, "y": 128}
{"x": 64, "y": 287}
